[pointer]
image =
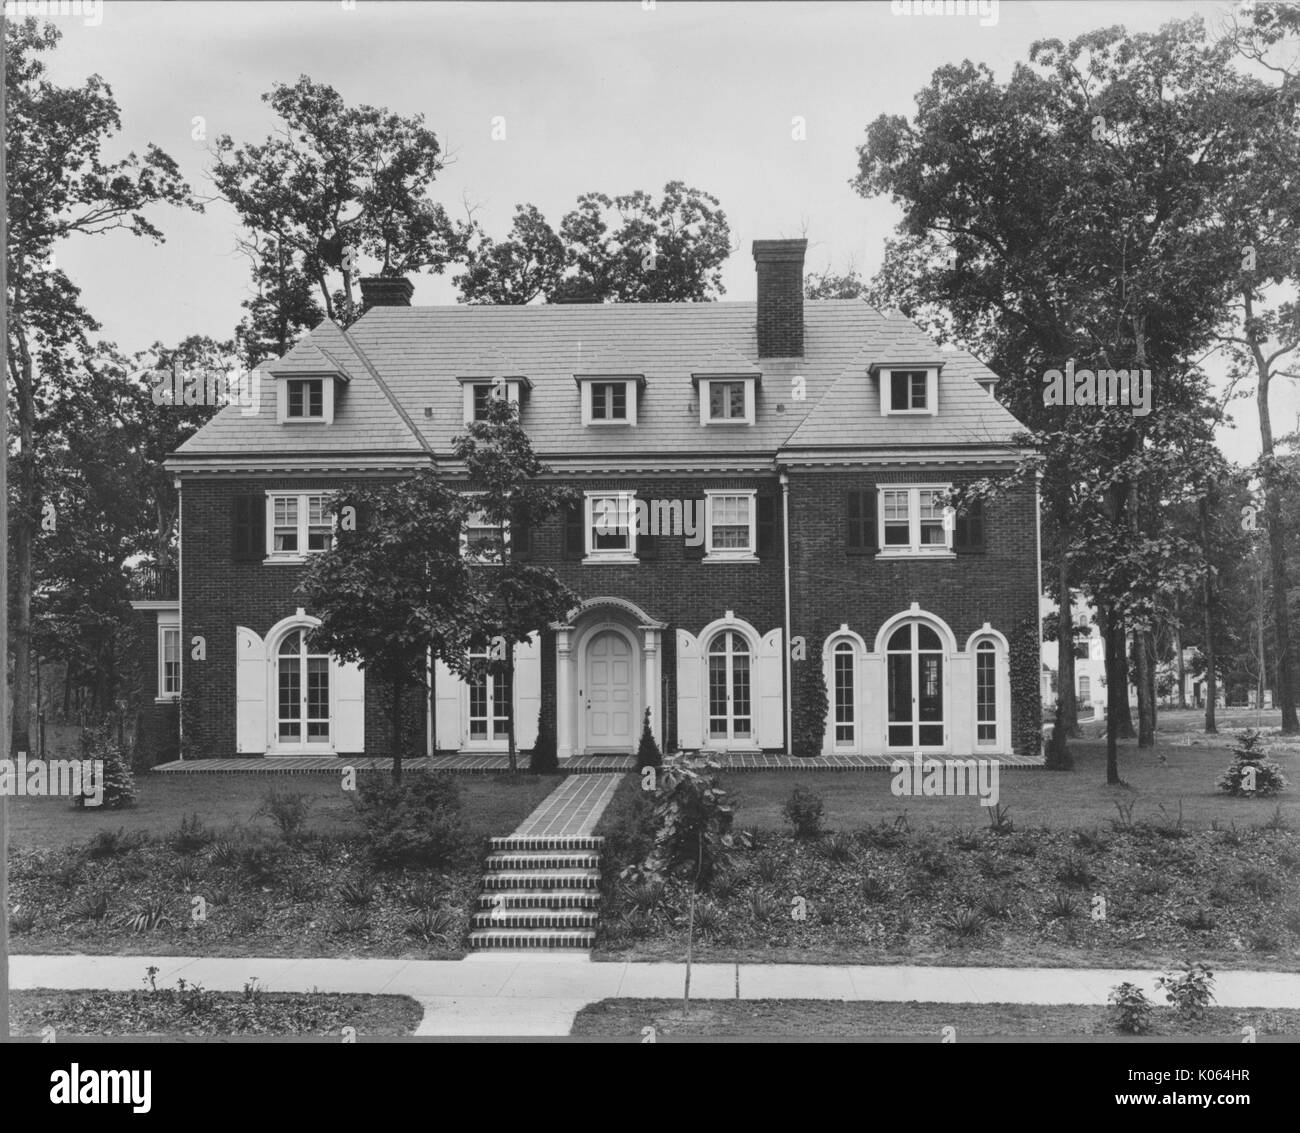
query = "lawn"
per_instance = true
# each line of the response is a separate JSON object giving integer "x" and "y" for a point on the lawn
{"x": 815, "y": 1018}
{"x": 492, "y": 805}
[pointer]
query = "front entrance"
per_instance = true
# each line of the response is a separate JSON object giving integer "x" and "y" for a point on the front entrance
{"x": 302, "y": 696}
{"x": 609, "y": 693}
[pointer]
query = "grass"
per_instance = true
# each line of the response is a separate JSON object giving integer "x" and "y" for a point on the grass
{"x": 171, "y": 1013}
{"x": 492, "y": 804}
{"x": 626, "y": 1018}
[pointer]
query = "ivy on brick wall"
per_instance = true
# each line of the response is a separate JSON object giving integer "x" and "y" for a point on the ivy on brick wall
{"x": 811, "y": 702}
{"x": 1026, "y": 666}
{"x": 191, "y": 728}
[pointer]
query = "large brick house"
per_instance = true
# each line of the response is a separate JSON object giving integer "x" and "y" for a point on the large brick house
{"x": 786, "y": 459}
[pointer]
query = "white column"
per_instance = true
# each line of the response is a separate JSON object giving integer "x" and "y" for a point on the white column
{"x": 563, "y": 694}
{"x": 652, "y": 697}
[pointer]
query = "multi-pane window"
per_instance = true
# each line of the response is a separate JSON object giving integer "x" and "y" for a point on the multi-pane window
{"x": 1085, "y": 688}
{"x": 299, "y": 523}
{"x": 914, "y": 661}
{"x": 730, "y": 702}
{"x": 726, "y": 401}
{"x": 730, "y": 518}
{"x": 482, "y": 394}
{"x": 908, "y": 391}
{"x": 487, "y": 700}
{"x": 986, "y": 693}
{"x": 485, "y": 540}
{"x": 611, "y": 524}
{"x": 912, "y": 521}
{"x": 303, "y": 692}
{"x": 169, "y": 661}
{"x": 306, "y": 398}
{"x": 609, "y": 401}
{"x": 842, "y": 685}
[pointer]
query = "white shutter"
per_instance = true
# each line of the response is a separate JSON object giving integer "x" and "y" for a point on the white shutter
{"x": 528, "y": 690}
{"x": 446, "y": 707}
{"x": 349, "y": 709}
{"x": 690, "y": 679}
{"x": 883, "y": 384}
{"x": 932, "y": 392}
{"x": 768, "y": 680}
{"x": 250, "y": 692}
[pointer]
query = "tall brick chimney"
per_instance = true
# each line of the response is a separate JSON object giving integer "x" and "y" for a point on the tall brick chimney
{"x": 386, "y": 291}
{"x": 780, "y": 297}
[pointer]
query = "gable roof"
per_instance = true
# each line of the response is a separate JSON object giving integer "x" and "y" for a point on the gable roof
{"x": 403, "y": 395}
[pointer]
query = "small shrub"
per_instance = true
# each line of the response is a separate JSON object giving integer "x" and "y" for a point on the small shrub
{"x": 97, "y": 743}
{"x": 432, "y": 926}
{"x": 838, "y": 848}
{"x": 996, "y": 904}
{"x": 288, "y": 810}
{"x": 357, "y": 892}
{"x": 1252, "y": 774}
{"x": 1091, "y": 841}
{"x": 803, "y": 811}
{"x": 92, "y": 907}
{"x": 764, "y": 907}
{"x": 934, "y": 859}
{"x": 708, "y": 920}
{"x": 68, "y": 875}
{"x": 190, "y": 836}
{"x": 416, "y": 822}
{"x": 1259, "y": 881}
{"x": 110, "y": 844}
{"x": 1277, "y": 824}
{"x": 647, "y": 752}
{"x": 223, "y": 853}
{"x": 966, "y": 839}
{"x": 1190, "y": 993}
{"x": 258, "y": 865}
{"x": 726, "y": 884}
{"x": 1152, "y": 884}
{"x": 1125, "y": 820}
{"x": 1230, "y": 836}
{"x": 1170, "y": 827}
{"x": 992, "y": 866}
{"x": 302, "y": 888}
{"x": 874, "y": 891}
{"x": 999, "y": 819}
{"x": 21, "y": 921}
{"x": 425, "y": 894}
{"x": 1264, "y": 940}
{"x": 1198, "y": 920}
{"x": 768, "y": 868}
{"x": 1075, "y": 871}
{"x": 1062, "y": 906}
{"x": 1132, "y": 1009}
{"x": 348, "y": 922}
{"x": 885, "y": 835}
{"x": 152, "y": 915}
{"x": 964, "y": 922}
{"x": 186, "y": 871}
{"x": 644, "y": 896}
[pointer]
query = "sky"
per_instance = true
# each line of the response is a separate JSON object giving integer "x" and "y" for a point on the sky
{"x": 610, "y": 96}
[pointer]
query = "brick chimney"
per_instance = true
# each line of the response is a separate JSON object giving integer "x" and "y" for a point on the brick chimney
{"x": 385, "y": 291}
{"x": 780, "y": 297}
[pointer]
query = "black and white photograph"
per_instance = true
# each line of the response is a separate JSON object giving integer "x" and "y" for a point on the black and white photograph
{"x": 651, "y": 521}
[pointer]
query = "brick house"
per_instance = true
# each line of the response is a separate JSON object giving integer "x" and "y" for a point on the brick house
{"x": 752, "y": 474}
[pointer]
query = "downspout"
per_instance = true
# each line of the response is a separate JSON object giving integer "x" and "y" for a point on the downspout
{"x": 1038, "y": 647}
{"x": 180, "y": 615}
{"x": 785, "y": 554}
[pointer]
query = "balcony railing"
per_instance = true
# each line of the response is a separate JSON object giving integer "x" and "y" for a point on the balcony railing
{"x": 150, "y": 582}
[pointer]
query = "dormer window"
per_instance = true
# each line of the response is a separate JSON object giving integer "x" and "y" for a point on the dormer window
{"x": 909, "y": 391}
{"x": 609, "y": 400}
{"x": 479, "y": 393}
{"x": 306, "y": 398}
{"x": 727, "y": 400}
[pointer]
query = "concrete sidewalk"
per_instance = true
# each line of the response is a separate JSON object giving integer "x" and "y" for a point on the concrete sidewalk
{"x": 510, "y": 994}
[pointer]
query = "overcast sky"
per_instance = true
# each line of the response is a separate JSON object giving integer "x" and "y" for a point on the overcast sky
{"x": 608, "y": 97}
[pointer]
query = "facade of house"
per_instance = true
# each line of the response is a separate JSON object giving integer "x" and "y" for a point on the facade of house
{"x": 762, "y": 502}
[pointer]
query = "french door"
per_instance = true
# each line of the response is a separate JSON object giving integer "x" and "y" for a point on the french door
{"x": 731, "y": 713}
{"x": 916, "y": 699}
{"x": 302, "y": 695}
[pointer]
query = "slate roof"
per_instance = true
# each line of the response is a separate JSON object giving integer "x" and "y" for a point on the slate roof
{"x": 419, "y": 353}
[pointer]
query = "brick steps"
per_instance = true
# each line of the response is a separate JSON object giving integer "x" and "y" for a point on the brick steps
{"x": 538, "y": 894}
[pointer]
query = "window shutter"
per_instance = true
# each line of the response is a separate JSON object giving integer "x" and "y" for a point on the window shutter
{"x": 575, "y": 537}
{"x": 647, "y": 547}
{"x": 968, "y": 531}
{"x": 248, "y": 536}
{"x": 766, "y": 522}
{"x": 521, "y": 536}
{"x": 860, "y": 520}
{"x": 698, "y": 551}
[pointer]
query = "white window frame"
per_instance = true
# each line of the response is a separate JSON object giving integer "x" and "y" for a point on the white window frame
{"x": 986, "y": 646}
{"x": 168, "y": 623}
{"x": 731, "y": 554}
{"x": 467, "y": 392}
{"x": 490, "y": 741}
{"x": 706, "y": 384}
{"x": 602, "y": 554}
{"x": 302, "y": 523}
{"x": 464, "y": 541}
{"x": 282, "y": 399}
{"x": 632, "y": 386}
{"x": 914, "y": 549}
{"x": 931, "y": 391}
{"x": 842, "y": 646}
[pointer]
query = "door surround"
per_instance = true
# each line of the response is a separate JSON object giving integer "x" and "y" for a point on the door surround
{"x": 636, "y": 679}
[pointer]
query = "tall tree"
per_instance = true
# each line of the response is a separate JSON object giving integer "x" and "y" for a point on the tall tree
{"x": 60, "y": 186}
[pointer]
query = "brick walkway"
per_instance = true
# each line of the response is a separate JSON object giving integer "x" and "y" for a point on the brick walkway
{"x": 579, "y": 765}
{"x": 572, "y": 809}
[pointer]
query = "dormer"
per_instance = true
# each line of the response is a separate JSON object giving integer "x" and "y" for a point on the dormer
{"x": 477, "y": 391}
{"x": 609, "y": 399}
{"x": 727, "y": 398}
{"x": 307, "y": 388}
{"x": 908, "y": 389}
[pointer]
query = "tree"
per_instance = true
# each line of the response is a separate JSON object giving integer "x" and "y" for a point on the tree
{"x": 514, "y": 598}
{"x": 827, "y": 285}
{"x": 625, "y": 249}
{"x": 394, "y": 591}
{"x": 335, "y": 185}
{"x": 60, "y": 185}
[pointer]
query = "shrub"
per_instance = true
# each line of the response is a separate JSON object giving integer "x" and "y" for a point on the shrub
{"x": 1192, "y": 992}
{"x": 416, "y": 822}
{"x": 1132, "y": 1009}
{"x": 433, "y": 926}
{"x": 1062, "y": 906}
{"x": 963, "y": 922}
{"x": 966, "y": 839}
{"x": 999, "y": 819}
{"x": 647, "y": 752}
{"x": 357, "y": 892}
{"x": 110, "y": 844}
{"x": 288, "y": 810}
{"x": 837, "y": 848}
{"x": 1075, "y": 871}
{"x": 1091, "y": 841}
{"x": 803, "y": 811}
{"x": 874, "y": 891}
{"x": 1264, "y": 940}
{"x": 1259, "y": 881}
{"x": 885, "y": 836}
{"x": 425, "y": 894}
{"x": 223, "y": 853}
{"x": 996, "y": 904}
{"x": 190, "y": 836}
{"x": 768, "y": 868}
{"x": 544, "y": 757}
{"x": 764, "y": 907}
{"x": 348, "y": 922}
{"x": 933, "y": 858}
{"x": 692, "y": 822}
{"x": 1170, "y": 827}
{"x": 644, "y": 896}
{"x": 152, "y": 915}
{"x": 811, "y": 704}
{"x": 1198, "y": 920}
{"x": 92, "y": 907}
{"x": 21, "y": 921}
{"x": 1251, "y": 774}
{"x": 708, "y": 920}
{"x": 97, "y": 743}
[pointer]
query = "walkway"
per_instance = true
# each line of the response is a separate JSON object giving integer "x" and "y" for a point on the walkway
{"x": 581, "y": 764}
{"x": 572, "y": 809}
{"x": 511, "y": 995}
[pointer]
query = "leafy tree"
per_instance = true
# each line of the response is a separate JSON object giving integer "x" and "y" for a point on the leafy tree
{"x": 60, "y": 186}
{"x": 625, "y": 249}
{"x": 828, "y": 285}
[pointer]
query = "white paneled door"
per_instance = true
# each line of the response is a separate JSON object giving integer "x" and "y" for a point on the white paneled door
{"x": 609, "y": 693}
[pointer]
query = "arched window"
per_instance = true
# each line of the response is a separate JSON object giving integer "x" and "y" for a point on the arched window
{"x": 730, "y": 702}
{"x": 914, "y": 655}
{"x": 986, "y": 693}
{"x": 1085, "y": 688}
{"x": 487, "y": 700}
{"x": 302, "y": 693}
{"x": 843, "y": 685}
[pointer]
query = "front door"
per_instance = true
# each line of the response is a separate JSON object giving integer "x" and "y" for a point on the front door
{"x": 609, "y": 693}
{"x": 302, "y": 696}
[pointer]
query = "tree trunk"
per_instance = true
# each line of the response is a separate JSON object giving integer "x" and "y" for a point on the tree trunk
{"x": 1179, "y": 663}
{"x": 1125, "y": 712}
{"x": 1207, "y": 587}
{"x": 396, "y": 729}
{"x": 22, "y": 525}
{"x": 1145, "y": 680}
{"x": 1065, "y": 685}
{"x": 1116, "y": 691}
{"x": 510, "y": 705}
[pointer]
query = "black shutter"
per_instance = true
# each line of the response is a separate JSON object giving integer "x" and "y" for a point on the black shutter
{"x": 521, "y": 536}
{"x": 647, "y": 547}
{"x": 575, "y": 535}
{"x": 968, "y": 532}
{"x": 766, "y": 526}
{"x": 860, "y": 521}
{"x": 248, "y": 534}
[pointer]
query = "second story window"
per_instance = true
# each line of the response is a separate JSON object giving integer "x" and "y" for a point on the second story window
{"x": 482, "y": 398}
{"x": 912, "y": 521}
{"x": 305, "y": 399}
{"x": 611, "y": 526}
{"x": 300, "y": 523}
{"x": 609, "y": 401}
{"x": 726, "y": 400}
{"x": 909, "y": 391}
{"x": 730, "y": 520}
{"x": 484, "y": 541}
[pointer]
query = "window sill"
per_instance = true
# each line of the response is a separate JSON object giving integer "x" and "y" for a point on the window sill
{"x": 303, "y": 421}
{"x": 286, "y": 560}
{"x": 916, "y": 555}
{"x": 625, "y": 424}
{"x": 911, "y": 413}
{"x": 170, "y": 698}
{"x": 729, "y": 421}
{"x": 715, "y": 557}
{"x": 620, "y": 557}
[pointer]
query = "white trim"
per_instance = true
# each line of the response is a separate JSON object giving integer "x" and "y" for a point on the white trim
{"x": 914, "y": 549}
{"x": 282, "y": 399}
{"x": 755, "y": 641}
{"x": 747, "y": 418}
{"x": 915, "y": 613}
{"x": 513, "y": 386}
{"x": 301, "y": 555}
{"x": 169, "y": 622}
{"x": 830, "y": 744}
{"x": 585, "y": 636}
{"x": 931, "y": 408}
{"x": 747, "y": 554}
{"x": 609, "y": 555}
{"x": 632, "y": 385}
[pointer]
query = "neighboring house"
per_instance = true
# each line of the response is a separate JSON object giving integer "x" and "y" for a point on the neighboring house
{"x": 787, "y": 460}
{"x": 1089, "y": 663}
